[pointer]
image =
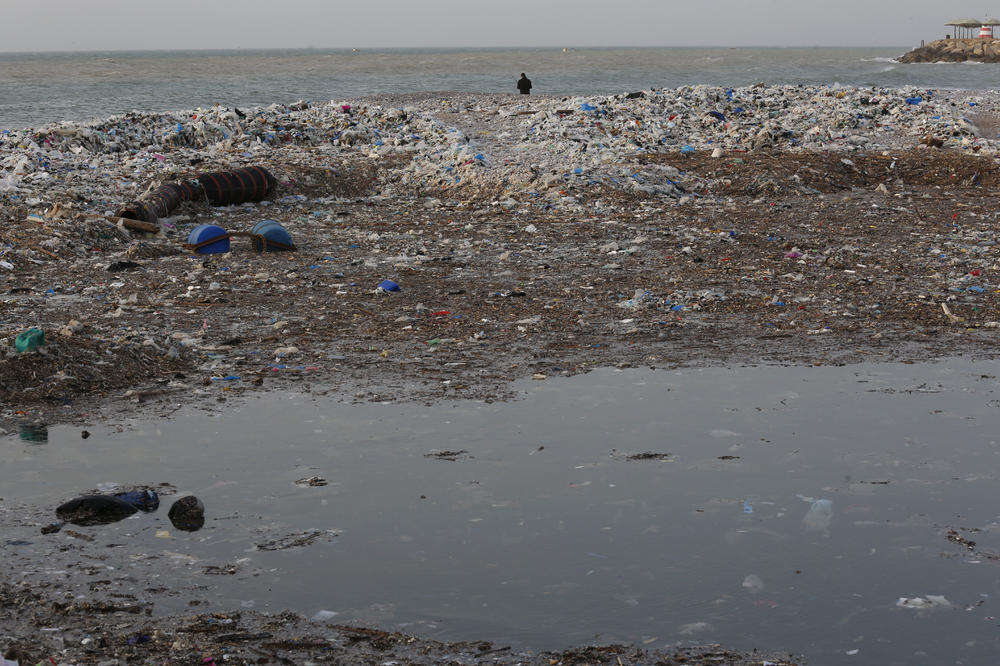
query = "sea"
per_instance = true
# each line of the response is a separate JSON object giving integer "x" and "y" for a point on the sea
{"x": 41, "y": 88}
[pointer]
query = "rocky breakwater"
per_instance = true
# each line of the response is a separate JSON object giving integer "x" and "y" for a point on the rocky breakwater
{"x": 955, "y": 50}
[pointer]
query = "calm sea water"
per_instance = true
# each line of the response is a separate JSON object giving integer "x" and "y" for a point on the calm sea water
{"x": 39, "y": 88}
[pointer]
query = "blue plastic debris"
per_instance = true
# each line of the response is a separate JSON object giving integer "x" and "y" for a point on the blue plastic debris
{"x": 587, "y": 107}
{"x": 388, "y": 285}
{"x": 717, "y": 115}
{"x": 914, "y": 100}
{"x": 144, "y": 500}
{"x": 686, "y": 150}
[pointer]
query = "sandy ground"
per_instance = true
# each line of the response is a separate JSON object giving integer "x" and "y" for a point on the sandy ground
{"x": 767, "y": 256}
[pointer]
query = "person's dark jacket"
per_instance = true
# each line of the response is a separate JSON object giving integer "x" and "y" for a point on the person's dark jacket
{"x": 524, "y": 85}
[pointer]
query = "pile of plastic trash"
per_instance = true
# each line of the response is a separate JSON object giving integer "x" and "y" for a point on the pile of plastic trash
{"x": 476, "y": 145}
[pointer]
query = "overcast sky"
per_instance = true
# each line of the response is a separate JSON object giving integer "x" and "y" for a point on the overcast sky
{"x": 71, "y": 25}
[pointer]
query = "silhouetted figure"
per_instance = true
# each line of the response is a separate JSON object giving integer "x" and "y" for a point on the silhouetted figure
{"x": 524, "y": 84}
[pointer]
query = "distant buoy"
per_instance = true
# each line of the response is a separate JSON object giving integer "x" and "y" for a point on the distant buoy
{"x": 986, "y": 32}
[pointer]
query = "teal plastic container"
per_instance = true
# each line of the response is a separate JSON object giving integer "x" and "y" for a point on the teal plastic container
{"x": 276, "y": 236}
{"x": 206, "y": 232}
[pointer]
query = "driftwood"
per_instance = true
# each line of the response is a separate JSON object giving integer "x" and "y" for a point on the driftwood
{"x": 134, "y": 225}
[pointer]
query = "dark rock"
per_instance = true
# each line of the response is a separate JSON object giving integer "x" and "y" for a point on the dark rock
{"x": 187, "y": 513}
{"x": 18, "y": 655}
{"x": 119, "y": 266}
{"x": 94, "y": 510}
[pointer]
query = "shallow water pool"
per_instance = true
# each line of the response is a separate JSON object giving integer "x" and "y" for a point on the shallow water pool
{"x": 785, "y": 508}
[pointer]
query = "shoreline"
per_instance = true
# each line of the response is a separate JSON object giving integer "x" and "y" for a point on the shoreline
{"x": 76, "y": 636}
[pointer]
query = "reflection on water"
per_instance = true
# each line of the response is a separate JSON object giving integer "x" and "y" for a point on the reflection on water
{"x": 786, "y": 508}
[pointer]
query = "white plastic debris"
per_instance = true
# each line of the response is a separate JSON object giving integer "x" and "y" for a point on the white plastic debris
{"x": 924, "y": 603}
{"x": 753, "y": 583}
{"x": 324, "y": 615}
{"x": 694, "y": 628}
{"x": 540, "y": 158}
{"x": 819, "y": 516}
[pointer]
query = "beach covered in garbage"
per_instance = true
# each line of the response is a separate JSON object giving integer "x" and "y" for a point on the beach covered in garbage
{"x": 447, "y": 244}
{"x": 528, "y": 237}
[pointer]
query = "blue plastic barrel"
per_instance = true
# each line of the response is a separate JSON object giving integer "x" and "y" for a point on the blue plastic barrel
{"x": 276, "y": 237}
{"x": 206, "y": 232}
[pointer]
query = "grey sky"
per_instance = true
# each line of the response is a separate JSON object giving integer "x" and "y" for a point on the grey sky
{"x": 69, "y": 25}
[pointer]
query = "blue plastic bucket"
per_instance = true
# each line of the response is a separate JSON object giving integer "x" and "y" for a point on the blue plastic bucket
{"x": 276, "y": 236}
{"x": 206, "y": 232}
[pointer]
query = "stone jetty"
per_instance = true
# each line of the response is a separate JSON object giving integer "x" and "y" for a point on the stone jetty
{"x": 955, "y": 50}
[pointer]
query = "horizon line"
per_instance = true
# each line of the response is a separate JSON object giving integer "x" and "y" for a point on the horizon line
{"x": 359, "y": 49}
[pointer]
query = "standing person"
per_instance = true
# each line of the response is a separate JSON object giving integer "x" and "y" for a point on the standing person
{"x": 524, "y": 84}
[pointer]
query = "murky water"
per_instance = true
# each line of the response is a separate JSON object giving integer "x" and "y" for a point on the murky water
{"x": 796, "y": 508}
